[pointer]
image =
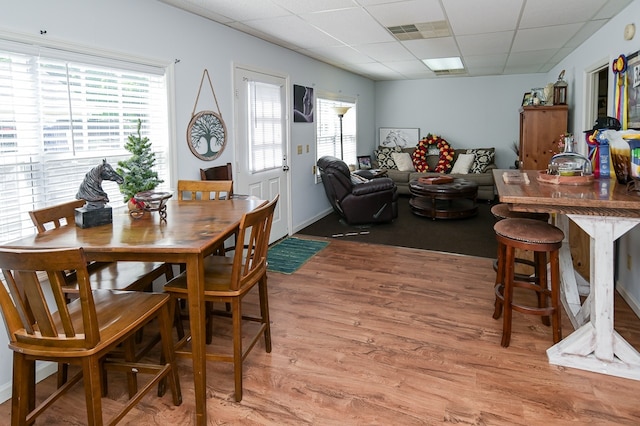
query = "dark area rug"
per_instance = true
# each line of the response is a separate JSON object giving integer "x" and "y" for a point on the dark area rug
{"x": 472, "y": 236}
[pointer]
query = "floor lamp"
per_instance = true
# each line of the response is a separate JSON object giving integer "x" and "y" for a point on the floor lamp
{"x": 341, "y": 111}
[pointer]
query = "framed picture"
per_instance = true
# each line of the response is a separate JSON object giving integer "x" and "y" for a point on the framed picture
{"x": 302, "y": 104}
{"x": 526, "y": 99}
{"x": 364, "y": 162}
{"x": 395, "y": 136}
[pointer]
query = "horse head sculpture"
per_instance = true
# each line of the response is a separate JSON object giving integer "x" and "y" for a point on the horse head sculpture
{"x": 91, "y": 188}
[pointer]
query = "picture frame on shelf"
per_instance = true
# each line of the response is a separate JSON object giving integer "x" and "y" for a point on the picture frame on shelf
{"x": 364, "y": 162}
{"x": 398, "y": 136}
{"x": 526, "y": 99}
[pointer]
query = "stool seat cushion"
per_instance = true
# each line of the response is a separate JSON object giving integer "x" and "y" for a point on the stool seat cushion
{"x": 529, "y": 231}
{"x": 501, "y": 211}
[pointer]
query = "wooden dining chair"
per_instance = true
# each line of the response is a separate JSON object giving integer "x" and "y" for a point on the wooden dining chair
{"x": 131, "y": 276}
{"x": 205, "y": 189}
{"x": 217, "y": 173}
{"x": 42, "y": 326}
{"x": 229, "y": 279}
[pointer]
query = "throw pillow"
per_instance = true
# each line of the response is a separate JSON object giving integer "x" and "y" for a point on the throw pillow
{"x": 403, "y": 161}
{"x": 483, "y": 157}
{"x": 463, "y": 164}
{"x": 384, "y": 158}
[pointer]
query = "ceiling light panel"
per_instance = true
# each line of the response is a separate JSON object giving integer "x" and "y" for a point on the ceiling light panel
{"x": 441, "y": 64}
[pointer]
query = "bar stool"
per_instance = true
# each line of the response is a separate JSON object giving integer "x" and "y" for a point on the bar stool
{"x": 542, "y": 239}
{"x": 501, "y": 211}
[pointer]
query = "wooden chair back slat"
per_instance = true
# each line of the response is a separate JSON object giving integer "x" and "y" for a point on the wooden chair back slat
{"x": 29, "y": 316}
{"x": 217, "y": 173}
{"x": 205, "y": 189}
{"x": 250, "y": 257}
{"x": 51, "y": 217}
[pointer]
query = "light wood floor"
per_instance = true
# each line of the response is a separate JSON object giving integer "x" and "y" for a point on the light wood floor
{"x": 378, "y": 335}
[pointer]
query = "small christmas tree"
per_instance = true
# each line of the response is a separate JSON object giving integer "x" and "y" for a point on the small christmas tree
{"x": 138, "y": 171}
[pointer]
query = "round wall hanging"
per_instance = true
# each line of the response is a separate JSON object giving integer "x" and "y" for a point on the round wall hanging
{"x": 206, "y": 132}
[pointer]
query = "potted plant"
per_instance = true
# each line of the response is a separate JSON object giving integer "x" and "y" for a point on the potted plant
{"x": 137, "y": 171}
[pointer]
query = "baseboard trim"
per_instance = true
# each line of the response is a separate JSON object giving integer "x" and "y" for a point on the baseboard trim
{"x": 312, "y": 220}
{"x": 631, "y": 301}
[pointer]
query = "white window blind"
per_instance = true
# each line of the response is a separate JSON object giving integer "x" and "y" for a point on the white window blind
{"x": 328, "y": 130}
{"x": 265, "y": 127}
{"x": 60, "y": 118}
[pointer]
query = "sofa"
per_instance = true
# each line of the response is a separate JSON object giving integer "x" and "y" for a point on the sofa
{"x": 401, "y": 176}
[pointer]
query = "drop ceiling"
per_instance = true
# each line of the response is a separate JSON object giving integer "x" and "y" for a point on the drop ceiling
{"x": 388, "y": 39}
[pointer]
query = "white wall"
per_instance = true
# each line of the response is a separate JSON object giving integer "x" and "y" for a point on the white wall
{"x": 602, "y": 48}
{"x": 472, "y": 112}
{"x": 153, "y": 30}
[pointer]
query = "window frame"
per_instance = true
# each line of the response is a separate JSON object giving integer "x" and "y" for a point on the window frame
{"x": 349, "y": 125}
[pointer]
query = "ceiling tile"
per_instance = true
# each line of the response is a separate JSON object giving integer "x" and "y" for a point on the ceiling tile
{"x": 476, "y": 17}
{"x": 611, "y": 9}
{"x": 242, "y": 10}
{"x": 544, "y": 38}
{"x": 383, "y": 52}
{"x": 485, "y": 61}
{"x": 533, "y": 58}
{"x": 541, "y": 13}
{"x": 432, "y": 48}
{"x": 404, "y": 67}
{"x": 584, "y": 33}
{"x": 310, "y": 6}
{"x": 351, "y": 26}
{"x": 407, "y": 12}
{"x": 294, "y": 30}
{"x": 342, "y": 54}
{"x": 485, "y": 44}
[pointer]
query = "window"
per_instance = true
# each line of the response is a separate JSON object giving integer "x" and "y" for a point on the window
{"x": 61, "y": 114}
{"x": 328, "y": 140}
{"x": 265, "y": 126}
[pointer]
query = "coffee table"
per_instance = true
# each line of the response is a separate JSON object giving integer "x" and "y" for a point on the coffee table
{"x": 453, "y": 200}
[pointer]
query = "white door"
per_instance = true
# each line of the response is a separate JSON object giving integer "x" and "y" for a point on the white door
{"x": 262, "y": 142}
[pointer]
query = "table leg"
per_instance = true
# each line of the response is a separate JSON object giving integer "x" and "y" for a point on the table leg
{"x": 573, "y": 285}
{"x": 596, "y": 346}
{"x": 195, "y": 286}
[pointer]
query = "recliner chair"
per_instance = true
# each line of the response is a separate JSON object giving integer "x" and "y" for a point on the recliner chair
{"x": 370, "y": 201}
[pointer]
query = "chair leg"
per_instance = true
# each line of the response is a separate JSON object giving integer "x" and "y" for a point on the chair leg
{"x": 24, "y": 385}
{"x": 541, "y": 272}
{"x": 129, "y": 349}
{"x": 63, "y": 373}
{"x": 236, "y": 313}
{"x": 174, "y": 309}
{"x": 508, "y": 297}
{"x": 164, "y": 323}
{"x": 499, "y": 284}
{"x": 264, "y": 312}
{"x": 91, "y": 371}
{"x": 209, "y": 322}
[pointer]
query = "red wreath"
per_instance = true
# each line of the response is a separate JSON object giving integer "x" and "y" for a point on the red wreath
{"x": 420, "y": 154}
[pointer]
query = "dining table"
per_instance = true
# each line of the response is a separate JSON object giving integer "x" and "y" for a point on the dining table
{"x": 605, "y": 209}
{"x": 190, "y": 231}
